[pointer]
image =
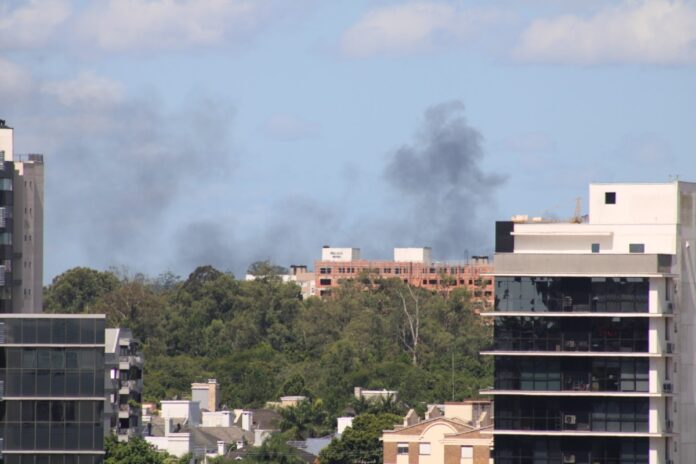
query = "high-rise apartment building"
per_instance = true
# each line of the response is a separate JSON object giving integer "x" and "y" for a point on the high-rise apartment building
{"x": 21, "y": 228}
{"x": 52, "y": 388}
{"x": 124, "y": 384}
{"x": 595, "y": 329}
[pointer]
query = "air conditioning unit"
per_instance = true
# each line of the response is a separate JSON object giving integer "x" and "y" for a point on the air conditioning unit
{"x": 570, "y": 419}
{"x": 670, "y": 347}
{"x": 667, "y": 387}
{"x": 568, "y": 459}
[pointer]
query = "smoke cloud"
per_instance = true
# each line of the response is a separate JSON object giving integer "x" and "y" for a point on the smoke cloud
{"x": 442, "y": 184}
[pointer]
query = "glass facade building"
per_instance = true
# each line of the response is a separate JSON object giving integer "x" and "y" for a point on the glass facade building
{"x": 52, "y": 382}
{"x": 594, "y": 322}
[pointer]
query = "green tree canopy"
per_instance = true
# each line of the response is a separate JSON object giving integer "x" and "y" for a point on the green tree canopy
{"x": 361, "y": 442}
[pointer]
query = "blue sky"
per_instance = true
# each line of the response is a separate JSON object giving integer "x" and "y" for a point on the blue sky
{"x": 180, "y": 132}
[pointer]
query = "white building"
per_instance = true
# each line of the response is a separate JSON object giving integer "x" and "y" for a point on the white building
{"x": 595, "y": 322}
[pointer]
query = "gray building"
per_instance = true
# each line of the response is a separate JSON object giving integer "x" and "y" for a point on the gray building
{"x": 124, "y": 383}
{"x": 21, "y": 228}
{"x": 52, "y": 387}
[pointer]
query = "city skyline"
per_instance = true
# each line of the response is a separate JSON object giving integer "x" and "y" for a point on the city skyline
{"x": 186, "y": 133}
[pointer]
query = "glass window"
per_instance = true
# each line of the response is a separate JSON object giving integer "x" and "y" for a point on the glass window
{"x": 636, "y": 248}
{"x": 595, "y": 248}
{"x": 28, "y": 331}
{"x": 87, "y": 331}
{"x": 72, "y": 329}
{"x": 58, "y": 327}
{"x": 609, "y": 198}
{"x": 467, "y": 454}
{"x": 402, "y": 448}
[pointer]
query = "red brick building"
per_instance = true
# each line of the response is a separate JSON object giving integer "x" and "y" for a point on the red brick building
{"x": 413, "y": 265}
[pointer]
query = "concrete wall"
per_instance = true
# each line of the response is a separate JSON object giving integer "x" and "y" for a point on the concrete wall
{"x": 684, "y": 408}
{"x": 28, "y": 216}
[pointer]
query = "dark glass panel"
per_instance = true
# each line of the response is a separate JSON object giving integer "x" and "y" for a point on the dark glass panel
{"x": 28, "y": 435}
{"x": 58, "y": 328}
{"x": 28, "y": 358}
{"x": 43, "y": 382}
{"x": 100, "y": 328}
{"x": 14, "y": 357}
{"x": 87, "y": 331}
{"x": 72, "y": 330}
{"x": 28, "y": 331}
{"x": 14, "y": 411}
{"x": 57, "y": 358}
{"x": 28, "y": 411}
{"x": 71, "y": 359}
{"x": 43, "y": 331}
{"x": 43, "y": 434}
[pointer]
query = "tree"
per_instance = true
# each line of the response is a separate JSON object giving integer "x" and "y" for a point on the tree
{"x": 135, "y": 451}
{"x": 266, "y": 269}
{"x": 75, "y": 290}
{"x": 308, "y": 419}
{"x": 360, "y": 443}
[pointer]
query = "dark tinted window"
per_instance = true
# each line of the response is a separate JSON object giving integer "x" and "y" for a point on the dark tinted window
{"x": 636, "y": 248}
{"x": 610, "y": 198}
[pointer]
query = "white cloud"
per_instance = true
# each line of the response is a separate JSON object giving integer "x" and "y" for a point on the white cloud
{"x": 14, "y": 80}
{"x": 119, "y": 25}
{"x": 288, "y": 127}
{"x": 413, "y": 27}
{"x": 86, "y": 89}
{"x": 32, "y": 23}
{"x": 646, "y": 31}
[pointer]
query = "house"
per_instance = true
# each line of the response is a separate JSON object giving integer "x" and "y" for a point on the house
{"x": 453, "y": 433}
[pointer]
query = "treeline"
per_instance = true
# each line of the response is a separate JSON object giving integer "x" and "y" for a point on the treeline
{"x": 261, "y": 340}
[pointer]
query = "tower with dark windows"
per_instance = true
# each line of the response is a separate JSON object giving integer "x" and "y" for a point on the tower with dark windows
{"x": 594, "y": 329}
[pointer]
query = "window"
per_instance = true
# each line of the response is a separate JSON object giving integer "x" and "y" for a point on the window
{"x": 595, "y": 248}
{"x": 424, "y": 449}
{"x": 636, "y": 248}
{"x": 402, "y": 448}
{"x": 324, "y": 281}
{"x": 609, "y": 198}
{"x": 467, "y": 455}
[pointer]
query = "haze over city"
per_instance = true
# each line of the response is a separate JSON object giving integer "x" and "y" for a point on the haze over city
{"x": 184, "y": 133}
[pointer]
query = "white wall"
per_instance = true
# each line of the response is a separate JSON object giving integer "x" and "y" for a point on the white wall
{"x": 177, "y": 444}
{"x": 6, "y": 143}
{"x": 635, "y": 204}
{"x": 217, "y": 419}
{"x": 413, "y": 255}
{"x": 340, "y": 254}
{"x": 578, "y": 238}
{"x": 181, "y": 409}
